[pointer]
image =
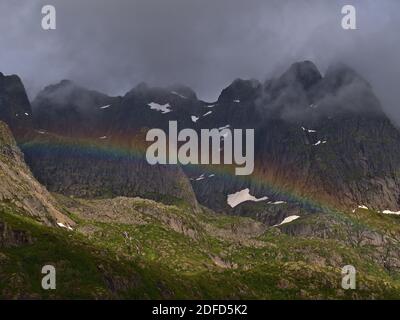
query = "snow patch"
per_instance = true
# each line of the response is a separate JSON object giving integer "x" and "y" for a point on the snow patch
{"x": 163, "y": 108}
{"x": 320, "y": 142}
{"x": 277, "y": 202}
{"x": 236, "y": 101}
{"x": 61, "y": 225}
{"x": 202, "y": 177}
{"x": 178, "y": 94}
{"x": 103, "y": 137}
{"x": 361, "y": 207}
{"x": 225, "y": 127}
{"x": 391, "y": 212}
{"x": 308, "y": 130}
{"x": 226, "y": 134}
{"x": 287, "y": 220}
{"x": 241, "y": 196}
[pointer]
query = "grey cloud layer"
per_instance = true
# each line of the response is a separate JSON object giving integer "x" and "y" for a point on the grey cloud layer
{"x": 113, "y": 45}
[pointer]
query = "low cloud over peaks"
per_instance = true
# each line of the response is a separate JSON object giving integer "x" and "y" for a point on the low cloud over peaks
{"x": 111, "y": 46}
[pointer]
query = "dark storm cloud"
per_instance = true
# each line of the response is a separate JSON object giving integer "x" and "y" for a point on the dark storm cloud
{"x": 113, "y": 45}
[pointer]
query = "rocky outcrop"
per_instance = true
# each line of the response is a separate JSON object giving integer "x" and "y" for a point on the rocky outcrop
{"x": 20, "y": 190}
{"x": 135, "y": 211}
{"x": 15, "y": 108}
{"x": 13, "y": 238}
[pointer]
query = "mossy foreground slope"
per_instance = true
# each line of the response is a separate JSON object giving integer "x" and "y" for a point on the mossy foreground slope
{"x": 140, "y": 249}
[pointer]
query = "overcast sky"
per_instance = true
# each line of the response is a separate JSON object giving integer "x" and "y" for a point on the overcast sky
{"x": 112, "y": 45}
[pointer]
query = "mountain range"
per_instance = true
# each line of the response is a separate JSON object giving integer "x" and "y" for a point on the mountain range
{"x": 325, "y": 191}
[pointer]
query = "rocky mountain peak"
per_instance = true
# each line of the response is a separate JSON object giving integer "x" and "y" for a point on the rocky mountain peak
{"x": 344, "y": 90}
{"x": 68, "y": 92}
{"x": 69, "y": 95}
{"x": 141, "y": 87}
{"x": 240, "y": 90}
{"x": 305, "y": 73}
{"x": 69, "y": 109}
{"x": 62, "y": 86}
{"x": 340, "y": 75}
{"x": 183, "y": 91}
{"x": 145, "y": 91}
{"x": 15, "y": 108}
{"x": 65, "y": 82}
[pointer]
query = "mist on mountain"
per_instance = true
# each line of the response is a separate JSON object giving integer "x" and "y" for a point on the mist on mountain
{"x": 203, "y": 44}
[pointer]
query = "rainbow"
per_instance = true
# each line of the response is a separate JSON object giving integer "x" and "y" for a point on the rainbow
{"x": 134, "y": 149}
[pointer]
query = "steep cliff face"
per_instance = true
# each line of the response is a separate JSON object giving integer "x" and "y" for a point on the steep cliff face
{"x": 88, "y": 144}
{"x": 15, "y": 109}
{"x": 323, "y": 138}
{"x": 95, "y": 170}
{"x": 70, "y": 110}
{"x": 20, "y": 190}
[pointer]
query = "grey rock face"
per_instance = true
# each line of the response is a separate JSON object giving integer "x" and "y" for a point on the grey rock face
{"x": 19, "y": 190}
{"x": 99, "y": 174}
{"x": 15, "y": 109}
{"x": 70, "y": 110}
{"x": 84, "y": 144}
{"x": 319, "y": 140}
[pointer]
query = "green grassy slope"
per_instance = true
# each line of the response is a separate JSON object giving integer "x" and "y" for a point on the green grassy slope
{"x": 134, "y": 248}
